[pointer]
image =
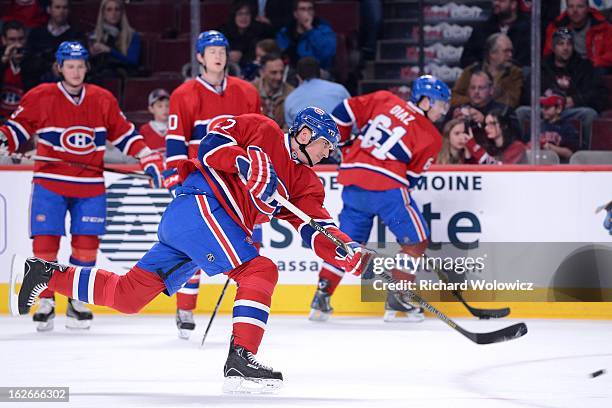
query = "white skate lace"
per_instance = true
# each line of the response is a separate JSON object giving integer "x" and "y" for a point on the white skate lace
{"x": 35, "y": 292}
{"x": 251, "y": 358}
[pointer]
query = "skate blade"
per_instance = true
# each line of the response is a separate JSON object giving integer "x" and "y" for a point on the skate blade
{"x": 74, "y": 324}
{"x": 394, "y": 316}
{"x": 318, "y": 316}
{"x": 45, "y": 326}
{"x": 17, "y": 272}
{"x": 244, "y": 385}
{"x": 184, "y": 334}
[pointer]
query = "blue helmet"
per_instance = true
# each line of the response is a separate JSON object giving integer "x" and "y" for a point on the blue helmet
{"x": 70, "y": 50}
{"x": 320, "y": 123}
{"x": 431, "y": 87}
{"x": 210, "y": 38}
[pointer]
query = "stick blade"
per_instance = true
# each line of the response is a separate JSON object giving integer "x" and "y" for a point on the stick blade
{"x": 506, "y": 334}
{"x": 489, "y": 313}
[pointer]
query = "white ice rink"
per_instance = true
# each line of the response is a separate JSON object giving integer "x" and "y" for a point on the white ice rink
{"x": 138, "y": 361}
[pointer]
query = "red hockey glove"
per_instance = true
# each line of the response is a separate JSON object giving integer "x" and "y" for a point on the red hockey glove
{"x": 171, "y": 180}
{"x": 153, "y": 165}
{"x": 350, "y": 262}
{"x": 260, "y": 178}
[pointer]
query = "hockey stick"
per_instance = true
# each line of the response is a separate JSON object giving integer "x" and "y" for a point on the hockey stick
{"x": 214, "y": 313}
{"x": 606, "y": 207}
{"x": 508, "y": 333}
{"x": 81, "y": 165}
{"x": 479, "y": 313}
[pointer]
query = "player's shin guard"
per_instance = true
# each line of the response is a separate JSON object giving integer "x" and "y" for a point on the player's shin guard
{"x": 186, "y": 300}
{"x": 187, "y": 296}
{"x": 329, "y": 278}
{"x": 127, "y": 294}
{"x": 256, "y": 280}
{"x": 46, "y": 247}
{"x": 84, "y": 251}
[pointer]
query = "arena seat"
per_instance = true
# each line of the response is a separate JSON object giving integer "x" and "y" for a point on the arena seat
{"x": 152, "y": 17}
{"x": 213, "y": 14}
{"x": 591, "y": 157}
{"x": 343, "y": 16}
{"x": 137, "y": 90}
{"x": 601, "y": 136}
{"x": 545, "y": 156}
{"x": 171, "y": 55}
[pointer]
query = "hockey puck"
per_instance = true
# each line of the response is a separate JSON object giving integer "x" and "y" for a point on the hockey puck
{"x": 597, "y": 373}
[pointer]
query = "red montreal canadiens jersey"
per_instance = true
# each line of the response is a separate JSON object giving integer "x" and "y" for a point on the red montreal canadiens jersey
{"x": 71, "y": 132}
{"x": 152, "y": 138}
{"x": 11, "y": 91}
{"x": 194, "y": 108}
{"x": 217, "y": 162}
{"x": 396, "y": 142}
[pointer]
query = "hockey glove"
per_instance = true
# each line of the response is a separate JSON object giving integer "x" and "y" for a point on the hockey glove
{"x": 153, "y": 165}
{"x": 258, "y": 174}
{"x": 171, "y": 180}
{"x": 350, "y": 262}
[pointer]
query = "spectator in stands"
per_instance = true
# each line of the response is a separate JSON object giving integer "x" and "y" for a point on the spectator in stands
{"x": 454, "y": 138}
{"x": 307, "y": 36}
{"x": 43, "y": 41}
{"x": 566, "y": 73}
{"x": 272, "y": 89}
{"x": 501, "y": 144}
{"x": 243, "y": 32}
{"x": 312, "y": 90}
{"x": 557, "y": 134}
{"x": 508, "y": 19}
{"x": 29, "y": 13}
{"x": 114, "y": 45}
{"x": 507, "y": 77}
{"x": 277, "y": 13}
{"x": 268, "y": 46}
{"x": 11, "y": 76}
{"x": 592, "y": 33}
{"x": 481, "y": 102}
{"x": 154, "y": 132}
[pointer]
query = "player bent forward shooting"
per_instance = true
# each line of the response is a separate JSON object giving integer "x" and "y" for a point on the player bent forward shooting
{"x": 241, "y": 164}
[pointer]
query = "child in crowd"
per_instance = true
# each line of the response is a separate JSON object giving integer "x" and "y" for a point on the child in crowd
{"x": 154, "y": 132}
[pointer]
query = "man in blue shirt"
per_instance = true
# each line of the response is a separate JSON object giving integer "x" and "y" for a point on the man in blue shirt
{"x": 313, "y": 91}
{"x": 307, "y": 36}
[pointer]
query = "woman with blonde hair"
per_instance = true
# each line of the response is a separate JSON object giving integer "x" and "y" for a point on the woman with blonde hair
{"x": 454, "y": 138}
{"x": 114, "y": 45}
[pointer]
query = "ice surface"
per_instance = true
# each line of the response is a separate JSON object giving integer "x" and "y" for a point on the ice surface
{"x": 138, "y": 361}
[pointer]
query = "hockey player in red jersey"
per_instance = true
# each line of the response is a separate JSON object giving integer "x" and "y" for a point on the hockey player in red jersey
{"x": 242, "y": 163}
{"x": 73, "y": 121}
{"x": 397, "y": 142}
{"x": 195, "y": 107}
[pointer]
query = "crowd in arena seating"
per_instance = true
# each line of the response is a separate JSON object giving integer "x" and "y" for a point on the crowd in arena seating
{"x": 290, "y": 55}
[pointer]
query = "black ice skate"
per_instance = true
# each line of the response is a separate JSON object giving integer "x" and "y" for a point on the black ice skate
{"x": 320, "y": 308}
{"x": 398, "y": 309}
{"x": 245, "y": 375}
{"x": 34, "y": 275}
{"x": 78, "y": 316}
{"x": 184, "y": 323}
{"x": 45, "y": 314}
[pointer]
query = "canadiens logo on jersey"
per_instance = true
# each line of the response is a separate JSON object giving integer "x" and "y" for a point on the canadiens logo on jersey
{"x": 9, "y": 99}
{"x": 78, "y": 140}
